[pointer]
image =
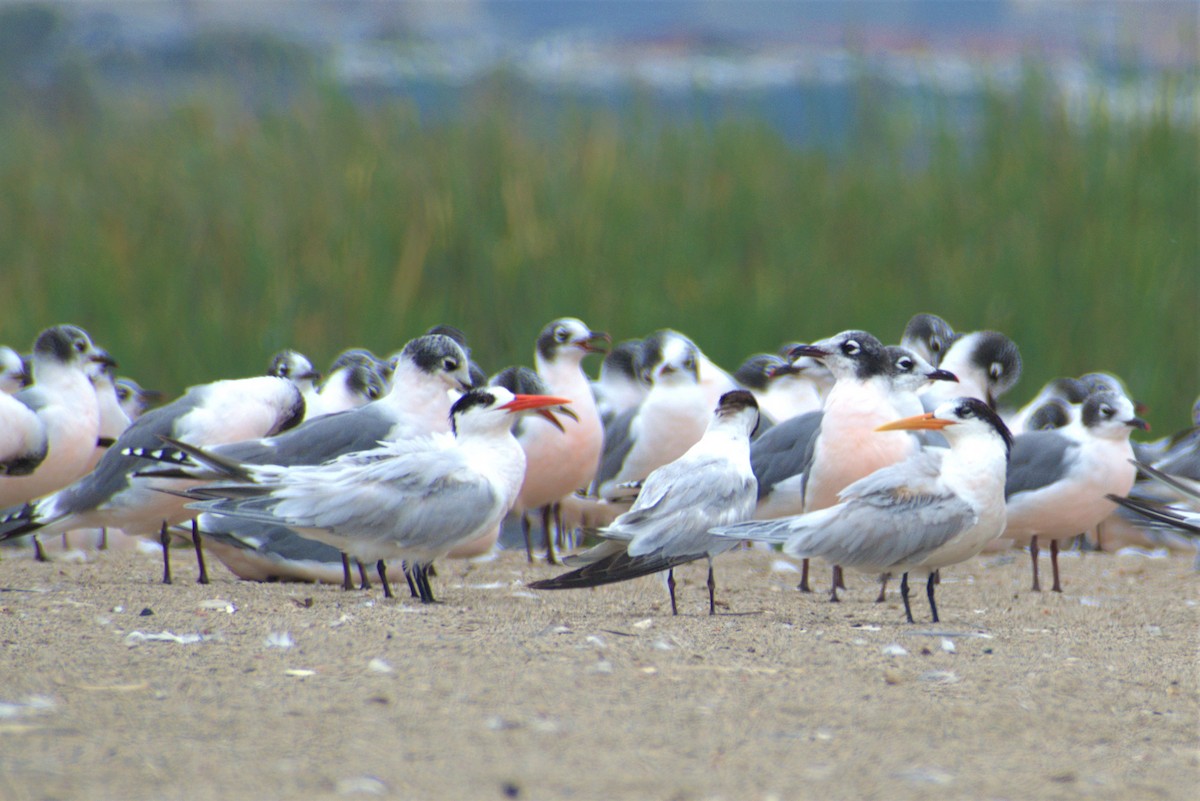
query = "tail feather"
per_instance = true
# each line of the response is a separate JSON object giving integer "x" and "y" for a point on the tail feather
{"x": 1162, "y": 515}
{"x": 223, "y": 466}
{"x": 17, "y": 520}
{"x": 612, "y": 569}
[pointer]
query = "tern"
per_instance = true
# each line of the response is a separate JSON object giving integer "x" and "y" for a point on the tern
{"x": 64, "y": 401}
{"x": 935, "y": 509}
{"x": 1057, "y": 482}
{"x": 412, "y": 499}
{"x": 710, "y": 485}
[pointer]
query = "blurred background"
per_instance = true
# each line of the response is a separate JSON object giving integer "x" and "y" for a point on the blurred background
{"x": 199, "y": 183}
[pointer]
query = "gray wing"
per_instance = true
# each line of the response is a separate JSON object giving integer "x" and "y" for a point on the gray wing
{"x": 617, "y": 444}
{"x": 272, "y": 541}
{"x": 423, "y": 498}
{"x": 679, "y": 503}
{"x": 316, "y": 441}
{"x": 784, "y": 451}
{"x": 34, "y": 397}
{"x": 1038, "y": 459}
{"x": 897, "y": 515}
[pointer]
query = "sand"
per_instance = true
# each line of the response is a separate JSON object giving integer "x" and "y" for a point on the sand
{"x": 307, "y": 692}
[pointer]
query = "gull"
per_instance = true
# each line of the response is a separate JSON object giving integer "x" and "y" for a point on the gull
{"x": 113, "y": 496}
{"x": 987, "y": 364}
{"x": 65, "y": 403}
{"x": 13, "y": 375}
{"x": 354, "y": 379}
{"x": 619, "y": 387}
{"x": 928, "y": 336}
{"x": 709, "y": 485}
{"x": 559, "y": 461}
{"x": 1057, "y": 482}
{"x": 412, "y": 499}
{"x": 135, "y": 399}
{"x": 672, "y": 417}
{"x": 935, "y": 509}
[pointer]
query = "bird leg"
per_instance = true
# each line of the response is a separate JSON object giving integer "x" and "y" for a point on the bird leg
{"x": 408, "y": 576}
{"x": 347, "y": 583}
{"x": 834, "y": 584}
{"x": 839, "y": 576}
{"x": 525, "y": 526}
{"x": 381, "y": 569}
{"x": 165, "y": 539}
{"x": 364, "y": 583}
{"x": 803, "y": 586}
{"x": 929, "y": 585}
{"x": 422, "y": 577}
{"x": 38, "y": 553}
{"x": 883, "y": 582}
{"x": 1054, "y": 565}
{"x": 671, "y": 589}
{"x": 1033, "y": 554}
{"x": 904, "y": 595}
{"x": 712, "y": 589}
{"x": 203, "y": 577}
{"x": 548, "y": 527}
{"x": 103, "y": 546}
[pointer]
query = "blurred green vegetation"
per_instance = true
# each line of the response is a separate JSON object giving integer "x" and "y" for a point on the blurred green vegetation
{"x": 194, "y": 238}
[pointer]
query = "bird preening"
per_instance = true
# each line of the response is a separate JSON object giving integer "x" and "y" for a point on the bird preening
{"x": 893, "y": 460}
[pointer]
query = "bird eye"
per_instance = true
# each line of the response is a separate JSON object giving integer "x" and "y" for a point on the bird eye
{"x": 560, "y": 335}
{"x": 851, "y": 347}
{"x": 1107, "y": 411}
{"x": 689, "y": 364}
{"x": 935, "y": 345}
{"x": 122, "y": 393}
{"x": 450, "y": 365}
{"x": 906, "y": 364}
{"x": 80, "y": 346}
{"x": 966, "y": 411}
{"x": 373, "y": 392}
{"x": 996, "y": 370}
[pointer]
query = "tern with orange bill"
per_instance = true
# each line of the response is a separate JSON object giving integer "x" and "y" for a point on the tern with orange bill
{"x": 939, "y": 507}
{"x": 413, "y": 499}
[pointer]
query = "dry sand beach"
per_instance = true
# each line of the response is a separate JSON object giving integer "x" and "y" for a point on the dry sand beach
{"x": 307, "y": 692}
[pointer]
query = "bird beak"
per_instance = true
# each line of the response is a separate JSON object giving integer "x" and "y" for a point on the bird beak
{"x": 806, "y": 350}
{"x": 942, "y": 375}
{"x": 918, "y": 422}
{"x": 776, "y": 370}
{"x": 102, "y": 356}
{"x": 1137, "y": 422}
{"x": 595, "y": 342}
{"x": 311, "y": 375}
{"x": 538, "y": 404}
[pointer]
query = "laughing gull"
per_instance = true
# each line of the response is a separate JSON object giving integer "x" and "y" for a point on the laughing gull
{"x": 928, "y": 336}
{"x": 671, "y": 419}
{"x": 1064, "y": 395}
{"x": 710, "y": 485}
{"x": 620, "y": 387}
{"x": 112, "y": 496}
{"x": 412, "y": 499}
{"x": 13, "y": 375}
{"x": 987, "y": 364}
{"x": 296, "y": 367}
{"x": 779, "y": 386}
{"x": 935, "y": 509}
{"x": 1058, "y": 480}
{"x": 135, "y": 400}
{"x": 113, "y": 419}
{"x": 354, "y": 379}
{"x": 64, "y": 401}
{"x": 559, "y": 462}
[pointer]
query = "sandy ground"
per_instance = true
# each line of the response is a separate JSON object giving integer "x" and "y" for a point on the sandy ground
{"x": 500, "y": 692}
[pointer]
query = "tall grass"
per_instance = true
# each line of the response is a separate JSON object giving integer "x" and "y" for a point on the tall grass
{"x": 195, "y": 239}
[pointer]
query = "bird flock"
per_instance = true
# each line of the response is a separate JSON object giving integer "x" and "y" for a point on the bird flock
{"x": 894, "y": 461}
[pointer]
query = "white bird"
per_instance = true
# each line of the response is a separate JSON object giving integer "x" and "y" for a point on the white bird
{"x": 779, "y": 386}
{"x": 113, "y": 418}
{"x": 411, "y": 499}
{"x": 987, "y": 364}
{"x": 710, "y": 485}
{"x": 64, "y": 401}
{"x": 1057, "y": 482}
{"x": 935, "y": 509}
{"x": 354, "y": 379}
{"x": 1065, "y": 394}
{"x": 296, "y": 367}
{"x": 13, "y": 375}
{"x": 671, "y": 419}
{"x": 112, "y": 496}
{"x": 134, "y": 398}
{"x": 620, "y": 387}
{"x": 874, "y": 385}
{"x": 560, "y": 461}
{"x": 928, "y": 336}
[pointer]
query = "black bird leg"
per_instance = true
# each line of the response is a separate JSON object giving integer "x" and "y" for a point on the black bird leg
{"x": 904, "y": 595}
{"x": 671, "y": 588}
{"x": 525, "y": 527}
{"x": 803, "y": 586}
{"x": 551, "y": 534}
{"x": 883, "y": 582}
{"x": 364, "y": 583}
{"x": 835, "y": 583}
{"x": 203, "y": 577}
{"x": 347, "y": 582}
{"x": 381, "y": 569}
{"x": 929, "y": 585}
{"x": 712, "y": 589}
{"x": 165, "y": 539}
